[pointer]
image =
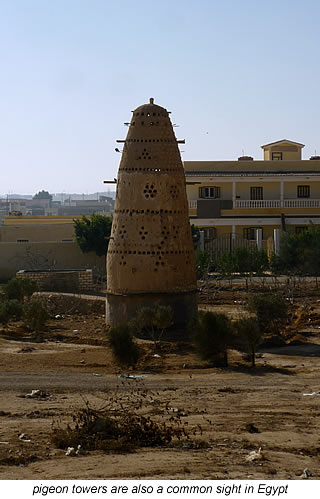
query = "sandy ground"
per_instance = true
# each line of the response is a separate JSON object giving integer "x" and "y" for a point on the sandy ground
{"x": 232, "y": 411}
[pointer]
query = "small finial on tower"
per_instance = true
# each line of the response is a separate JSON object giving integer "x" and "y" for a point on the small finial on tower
{"x": 151, "y": 100}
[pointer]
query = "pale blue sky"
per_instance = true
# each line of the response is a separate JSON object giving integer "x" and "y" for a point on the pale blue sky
{"x": 236, "y": 74}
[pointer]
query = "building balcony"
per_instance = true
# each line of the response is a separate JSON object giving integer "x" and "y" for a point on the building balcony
{"x": 266, "y": 203}
{"x": 301, "y": 203}
{"x": 258, "y": 203}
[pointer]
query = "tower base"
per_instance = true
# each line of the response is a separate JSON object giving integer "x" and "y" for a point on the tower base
{"x": 121, "y": 309}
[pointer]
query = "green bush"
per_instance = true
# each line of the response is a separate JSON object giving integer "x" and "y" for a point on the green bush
{"x": 212, "y": 335}
{"x": 35, "y": 315}
{"x": 124, "y": 350}
{"x": 203, "y": 263}
{"x": 18, "y": 289}
{"x": 299, "y": 253}
{"x": 248, "y": 336}
{"x": 271, "y": 311}
{"x": 243, "y": 260}
{"x": 10, "y": 309}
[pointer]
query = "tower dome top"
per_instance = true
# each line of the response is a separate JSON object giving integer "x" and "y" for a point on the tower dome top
{"x": 151, "y": 108}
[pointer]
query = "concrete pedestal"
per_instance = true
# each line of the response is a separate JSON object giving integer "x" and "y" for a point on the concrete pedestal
{"x": 121, "y": 309}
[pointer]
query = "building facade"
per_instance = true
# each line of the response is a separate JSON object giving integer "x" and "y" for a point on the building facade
{"x": 282, "y": 191}
{"x": 43, "y": 243}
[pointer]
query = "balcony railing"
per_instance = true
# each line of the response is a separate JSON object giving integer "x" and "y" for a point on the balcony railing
{"x": 193, "y": 204}
{"x": 257, "y": 203}
{"x": 277, "y": 203}
{"x": 301, "y": 203}
{"x": 268, "y": 203}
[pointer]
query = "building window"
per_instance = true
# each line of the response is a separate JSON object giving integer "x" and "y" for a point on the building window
{"x": 209, "y": 232}
{"x": 209, "y": 192}
{"x": 22, "y": 240}
{"x": 301, "y": 228}
{"x": 256, "y": 193}
{"x": 303, "y": 191}
{"x": 249, "y": 233}
{"x": 276, "y": 156}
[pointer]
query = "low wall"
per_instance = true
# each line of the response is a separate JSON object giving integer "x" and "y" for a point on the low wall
{"x": 72, "y": 281}
{"x": 47, "y": 255}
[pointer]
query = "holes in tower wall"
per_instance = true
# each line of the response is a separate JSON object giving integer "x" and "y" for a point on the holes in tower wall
{"x": 122, "y": 232}
{"x": 153, "y": 212}
{"x": 150, "y": 191}
{"x": 143, "y": 233}
{"x": 174, "y": 191}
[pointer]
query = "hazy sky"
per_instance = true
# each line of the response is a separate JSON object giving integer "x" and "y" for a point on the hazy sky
{"x": 236, "y": 74}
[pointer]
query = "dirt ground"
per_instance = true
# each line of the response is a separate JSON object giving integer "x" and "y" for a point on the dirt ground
{"x": 230, "y": 412}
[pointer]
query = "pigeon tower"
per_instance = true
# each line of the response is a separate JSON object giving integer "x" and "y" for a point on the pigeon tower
{"x": 150, "y": 259}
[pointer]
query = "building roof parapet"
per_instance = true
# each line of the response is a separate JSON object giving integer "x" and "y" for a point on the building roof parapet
{"x": 248, "y": 173}
{"x": 233, "y": 167}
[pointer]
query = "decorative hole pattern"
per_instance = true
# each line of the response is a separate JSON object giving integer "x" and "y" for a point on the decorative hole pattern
{"x": 165, "y": 233}
{"x": 153, "y": 254}
{"x": 175, "y": 231}
{"x": 144, "y": 155}
{"x": 152, "y": 212}
{"x": 122, "y": 261}
{"x": 150, "y": 191}
{"x": 174, "y": 191}
{"x": 143, "y": 233}
{"x": 153, "y": 170}
{"x": 166, "y": 141}
{"x": 122, "y": 232}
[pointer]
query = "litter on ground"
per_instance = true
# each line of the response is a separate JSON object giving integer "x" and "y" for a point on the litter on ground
{"x": 38, "y": 394}
{"x": 255, "y": 456}
{"x": 24, "y": 437}
{"x": 71, "y": 451}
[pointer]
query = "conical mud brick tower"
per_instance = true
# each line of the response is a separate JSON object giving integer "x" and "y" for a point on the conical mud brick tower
{"x": 150, "y": 258}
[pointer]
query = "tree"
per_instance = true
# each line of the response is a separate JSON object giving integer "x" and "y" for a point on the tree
{"x": 271, "y": 311}
{"x": 43, "y": 195}
{"x": 92, "y": 233}
{"x": 212, "y": 335}
{"x": 248, "y": 336}
{"x": 299, "y": 253}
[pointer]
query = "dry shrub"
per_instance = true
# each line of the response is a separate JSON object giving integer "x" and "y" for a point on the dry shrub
{"x": 120, "y": 426}
{"x": 97, "y": 430}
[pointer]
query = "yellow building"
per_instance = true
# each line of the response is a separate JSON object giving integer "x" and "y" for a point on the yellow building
{"x": 42, "y": 243}
{"x": 282, "y": 191}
